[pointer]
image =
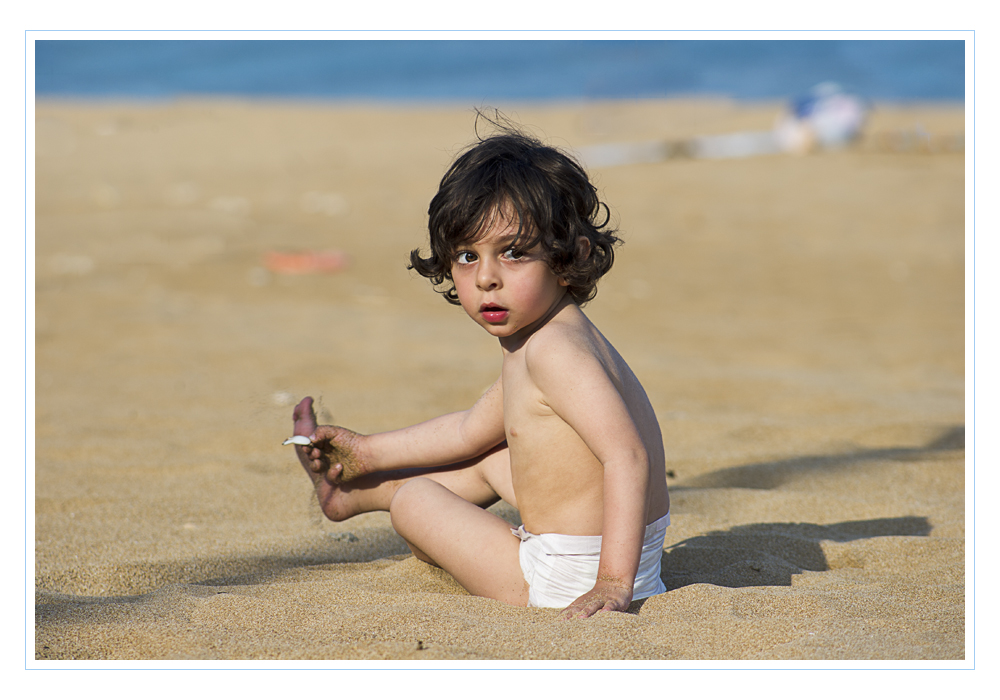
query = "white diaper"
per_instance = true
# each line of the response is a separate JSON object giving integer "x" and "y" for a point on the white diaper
{"x": 561, "y": 568}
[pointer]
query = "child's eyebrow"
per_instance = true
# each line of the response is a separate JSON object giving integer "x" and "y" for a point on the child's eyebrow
{"x": 502, "y": 241}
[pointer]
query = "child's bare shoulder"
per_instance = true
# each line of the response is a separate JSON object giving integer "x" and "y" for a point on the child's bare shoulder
{"x": 567, "y": 344}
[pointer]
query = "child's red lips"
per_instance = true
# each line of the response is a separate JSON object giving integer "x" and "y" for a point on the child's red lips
{"x": 493, "y": 313}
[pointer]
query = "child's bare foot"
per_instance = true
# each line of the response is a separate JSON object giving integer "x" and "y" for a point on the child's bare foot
{"x": 329, "y": 461}
{"x": 317, "y": 464}
{"x": 311, "y": 456}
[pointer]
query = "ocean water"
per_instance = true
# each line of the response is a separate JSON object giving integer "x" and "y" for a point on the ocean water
{"x": 482, "y": 72}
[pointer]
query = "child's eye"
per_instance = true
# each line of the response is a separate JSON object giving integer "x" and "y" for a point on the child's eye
{"x": 513, "y": 254}
{"x": 465, "y": 257}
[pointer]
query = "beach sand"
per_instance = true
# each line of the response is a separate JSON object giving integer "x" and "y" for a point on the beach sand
{"x": 798, "y": 323}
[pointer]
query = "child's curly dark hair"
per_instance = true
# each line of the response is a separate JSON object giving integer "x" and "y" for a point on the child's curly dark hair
{"x": 513, "y": 174}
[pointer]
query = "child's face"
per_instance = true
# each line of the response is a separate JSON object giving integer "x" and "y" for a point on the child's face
{"x": 505, "y": 289}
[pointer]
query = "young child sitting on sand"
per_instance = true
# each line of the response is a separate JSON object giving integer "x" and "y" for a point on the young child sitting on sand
{"x": 566, "y": 434}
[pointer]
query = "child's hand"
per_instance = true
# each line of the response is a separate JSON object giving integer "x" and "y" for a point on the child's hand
{"x": 333, "y": 453}
{"x": 605, "y": 595}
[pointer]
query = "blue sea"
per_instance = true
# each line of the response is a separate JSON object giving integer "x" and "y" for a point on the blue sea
{"x": 483, "y": 72}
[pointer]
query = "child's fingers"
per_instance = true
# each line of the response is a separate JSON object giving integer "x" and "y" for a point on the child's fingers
{"x": 571, "y": 611}
{"x": 582, "y": 609}
{"x": 614, "y": 606}
{"x": 334, "y": 472}
{"x": 323, "y": 433}
{"x": 587, "y": 606}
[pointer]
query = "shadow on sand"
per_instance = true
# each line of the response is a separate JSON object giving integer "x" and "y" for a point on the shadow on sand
{"x": 768, "y": 554}
{"x": 770, "y": 475}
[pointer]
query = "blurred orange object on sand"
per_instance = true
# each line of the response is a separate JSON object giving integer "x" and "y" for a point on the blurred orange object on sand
{"x": 305, "y": 262}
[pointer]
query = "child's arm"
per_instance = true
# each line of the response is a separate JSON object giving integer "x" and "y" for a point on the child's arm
{"x": 440, "y": 441}
{"x": 577, "y": 386}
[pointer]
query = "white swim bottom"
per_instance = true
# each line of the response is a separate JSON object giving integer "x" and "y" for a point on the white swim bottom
{"x": 561, "y": 568}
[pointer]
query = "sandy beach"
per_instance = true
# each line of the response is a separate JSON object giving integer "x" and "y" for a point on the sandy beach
{"x": 797, "y": 321}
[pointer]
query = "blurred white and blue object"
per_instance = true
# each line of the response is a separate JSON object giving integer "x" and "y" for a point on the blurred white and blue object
{"x": 825, "y": 118}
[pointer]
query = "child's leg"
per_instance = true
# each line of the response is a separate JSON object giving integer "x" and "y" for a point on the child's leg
{"x": 471, "y": 544}
{"x": 439, "y": 513}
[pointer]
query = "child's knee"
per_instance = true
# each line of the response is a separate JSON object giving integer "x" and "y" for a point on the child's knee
{"x": 408, "y": 499}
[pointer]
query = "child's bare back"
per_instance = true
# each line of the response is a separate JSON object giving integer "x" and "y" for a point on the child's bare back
{"x": 566, "y": 434}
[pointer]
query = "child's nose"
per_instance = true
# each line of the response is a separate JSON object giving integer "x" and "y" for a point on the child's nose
{"x": 488, "y": 275}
